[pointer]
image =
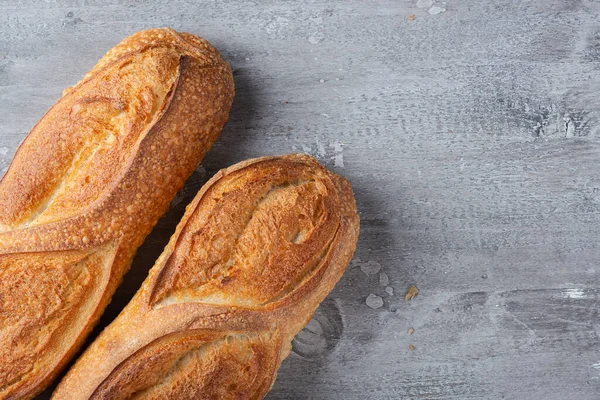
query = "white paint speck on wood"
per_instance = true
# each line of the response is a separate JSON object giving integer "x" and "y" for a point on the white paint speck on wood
{"x": 436, "y": 10}
{"x": 369, "y": 267}
{"x": 424, "y": 3}
{"x": 574, "y": 293}
{"x": 374, "y": 301}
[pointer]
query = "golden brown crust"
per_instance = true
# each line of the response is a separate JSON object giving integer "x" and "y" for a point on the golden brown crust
{"x": 258, "y": 249}
{"x": 88, "y": 184}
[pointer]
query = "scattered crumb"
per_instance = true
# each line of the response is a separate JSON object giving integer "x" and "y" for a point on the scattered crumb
{"x": 389, "y": 290}
{"x": 410, "y": 331}
{"x": 411, "y": 347}
{"x": 411, "y": 292}
{"x": 411, "y": 17}
{"x": 374, "y": 301}
{"x": 247, "y": 58}
{"x": 322, "y": 80}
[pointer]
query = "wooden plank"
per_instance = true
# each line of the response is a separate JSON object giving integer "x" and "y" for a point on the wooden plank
{"x": 471, "y": 137}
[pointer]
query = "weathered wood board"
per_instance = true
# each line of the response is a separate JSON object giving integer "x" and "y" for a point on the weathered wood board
{"x": 471, "y": 133}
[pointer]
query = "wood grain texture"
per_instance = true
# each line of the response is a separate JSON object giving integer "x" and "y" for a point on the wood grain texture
{"x": 471, "y": 138}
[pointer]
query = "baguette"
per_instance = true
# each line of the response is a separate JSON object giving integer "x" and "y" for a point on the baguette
{"x": 88, "y": 184}
{"x": 257, "y": 250}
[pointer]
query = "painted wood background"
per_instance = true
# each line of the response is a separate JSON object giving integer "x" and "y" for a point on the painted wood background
{"x": 470, "y": 130}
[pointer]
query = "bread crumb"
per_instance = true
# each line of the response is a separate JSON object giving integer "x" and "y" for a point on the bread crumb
{"x": 411, "y": 17}
{"x": 411, "y": 347}
{"x": 411, "y": 292}
{"x": 411, "y": 331}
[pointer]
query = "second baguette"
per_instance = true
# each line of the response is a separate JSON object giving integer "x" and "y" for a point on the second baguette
{"x": 258, "y": 249}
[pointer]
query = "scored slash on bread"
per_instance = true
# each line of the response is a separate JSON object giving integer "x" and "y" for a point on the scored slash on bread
{"x": 88, "y": 184}
{"x": 257, "y": 250}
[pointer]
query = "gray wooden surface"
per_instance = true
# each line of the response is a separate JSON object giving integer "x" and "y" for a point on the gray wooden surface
{"x": 470, "y": 130}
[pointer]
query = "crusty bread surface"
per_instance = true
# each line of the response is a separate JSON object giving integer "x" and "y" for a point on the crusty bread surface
{"x": 87, "y": 185}
{"x": 257, "y": 250}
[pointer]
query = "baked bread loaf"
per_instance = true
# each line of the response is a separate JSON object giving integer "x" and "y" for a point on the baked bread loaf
{"x": 88, "y": 184}
{"x": 257, "y": 250}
